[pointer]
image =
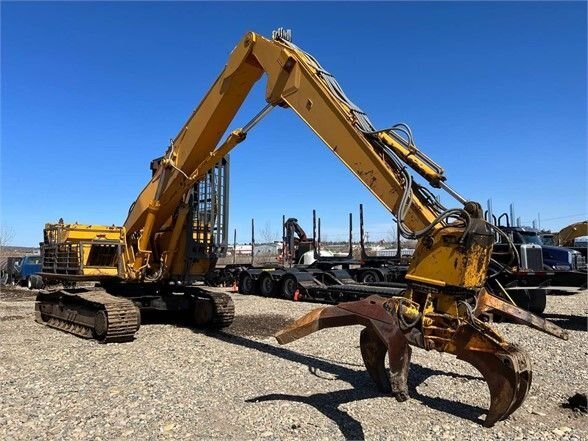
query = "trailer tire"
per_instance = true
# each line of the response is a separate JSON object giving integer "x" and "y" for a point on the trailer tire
{"x": 333, "y": 297}
{"x": 533, "y": 300}
{"x": 369, "y": 276}
{"x": 288, "y": 287}
{"x": 538, "y": 301}
{"x": 266, "y": 285}
{"x": 246, "y": 283}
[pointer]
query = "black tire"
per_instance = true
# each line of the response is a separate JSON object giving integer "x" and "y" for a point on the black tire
{"x": 369, "y": 276}
{"x": 246, "y": 283}
{"x": 266, "y": 285}
{"x": 533, "y": 300}
{"x": 36, "y": 282}
{"x": 538, "y": 301}
{"x": 288, "y": 287}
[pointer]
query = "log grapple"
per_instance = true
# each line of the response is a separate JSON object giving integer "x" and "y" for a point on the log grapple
{"x": 393, "y": 325}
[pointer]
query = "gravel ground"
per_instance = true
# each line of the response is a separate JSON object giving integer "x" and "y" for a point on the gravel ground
{"x": 178, "y": 383}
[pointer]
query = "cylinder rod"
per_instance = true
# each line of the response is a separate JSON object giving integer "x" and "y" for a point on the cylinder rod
{"x": 267, "y": 109}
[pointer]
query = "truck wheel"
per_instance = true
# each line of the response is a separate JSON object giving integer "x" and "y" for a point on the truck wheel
{"x": 333, "y": 297}
{"x": 246, "y": 283}
{"x": 288, "y": 287}
{"x": 532, "y": 300}
{"x": 369, "y": 276}
{"x": 38, "y": 282}
{"x": 538, "y": 301}
{"x": 266, "y": 285}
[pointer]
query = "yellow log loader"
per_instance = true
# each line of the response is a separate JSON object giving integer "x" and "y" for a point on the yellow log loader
{"x": 176, "y": 228}
{"x": 565, "y": 237}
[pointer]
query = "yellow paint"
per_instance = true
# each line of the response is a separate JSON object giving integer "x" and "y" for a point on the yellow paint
{"x": 73, "y": 244}
{"x": 446, "y": 262}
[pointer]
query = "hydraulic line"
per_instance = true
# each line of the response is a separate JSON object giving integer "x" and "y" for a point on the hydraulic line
{"x": 508, "y": 240}
{"x": 366, "y": 127}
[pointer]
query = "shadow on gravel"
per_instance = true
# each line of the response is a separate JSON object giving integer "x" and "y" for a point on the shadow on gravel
{"x": 570, "y": 322}
{"x": 12, "y": 317}
{"x": 257, "y": 325}
{"x": 328, "y": 403}
{"x": 362, "y": 387}
{"x": 12, "y": 294}
{"x": 254, "y": 325}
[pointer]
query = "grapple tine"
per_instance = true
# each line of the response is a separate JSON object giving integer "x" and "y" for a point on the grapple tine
{"x": 522, "y": 365}
{"x": 317, "y": 319}
{"x": 393, "y": 324}
{"x": 360, "y": 312}
{"x": 305, "y": 325}
{"x": 373, "y": 352}
{"x": 507, "y": 371}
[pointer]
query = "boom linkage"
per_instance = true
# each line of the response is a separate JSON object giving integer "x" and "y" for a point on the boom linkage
{"x": 294, "y": 80}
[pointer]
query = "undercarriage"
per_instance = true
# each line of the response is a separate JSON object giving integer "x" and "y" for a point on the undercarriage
{"x": 103, "y": 314}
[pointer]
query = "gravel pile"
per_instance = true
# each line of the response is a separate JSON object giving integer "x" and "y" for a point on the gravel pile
{"x": 178, "y": 383}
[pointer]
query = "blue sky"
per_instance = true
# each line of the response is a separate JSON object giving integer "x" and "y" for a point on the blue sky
{"x": 91, "y": 92}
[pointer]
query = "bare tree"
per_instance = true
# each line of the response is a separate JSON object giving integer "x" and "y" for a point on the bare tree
{"x": 6, "y": 236}
{"x": 391, "y": 236}
{"x": 268, "y": 235}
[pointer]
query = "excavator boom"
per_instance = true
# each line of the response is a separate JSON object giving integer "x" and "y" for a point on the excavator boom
{"x": 297, "y": 81}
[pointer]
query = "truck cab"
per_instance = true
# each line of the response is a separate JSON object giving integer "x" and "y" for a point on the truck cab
{"x": 529, "y": 242}
{"x": 25, "y": 269}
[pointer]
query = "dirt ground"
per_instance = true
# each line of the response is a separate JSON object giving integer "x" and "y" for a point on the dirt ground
{"x": 178, "y": 383}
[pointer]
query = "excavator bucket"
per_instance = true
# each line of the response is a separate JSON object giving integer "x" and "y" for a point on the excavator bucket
{"x": 505, "y": 368}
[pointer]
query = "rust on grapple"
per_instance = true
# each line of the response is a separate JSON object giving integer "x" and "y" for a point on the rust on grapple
{"x": 392, "y": 325}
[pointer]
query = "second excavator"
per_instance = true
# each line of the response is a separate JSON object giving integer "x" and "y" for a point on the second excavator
{"x": 176, "y": 229}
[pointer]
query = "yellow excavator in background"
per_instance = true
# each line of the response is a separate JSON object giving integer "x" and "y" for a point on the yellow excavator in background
{"x": 176, "y": 229}
{"x": 565, "y": 237}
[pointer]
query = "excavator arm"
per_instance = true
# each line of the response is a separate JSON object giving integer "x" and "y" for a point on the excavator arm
{"x": 441, "y": 307}
{"x": 294, "y": 80}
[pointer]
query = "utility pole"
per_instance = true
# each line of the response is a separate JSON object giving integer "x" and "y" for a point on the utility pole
{"x": 512, "y": 214}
